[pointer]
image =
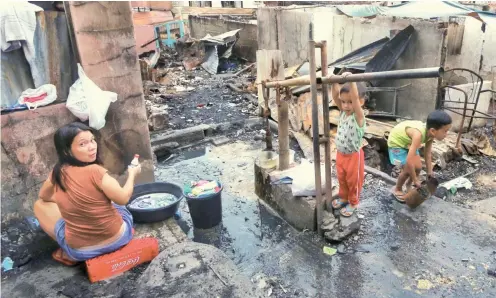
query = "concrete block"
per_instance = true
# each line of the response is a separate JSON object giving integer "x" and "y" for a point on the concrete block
{"x": 298, "y": 211}
{"x": 166, "y": 233}
{"x": 182, "y": 136}
{"x": 193, "y": 269}
{"x": 220, "y": 141}
{"x": 159, "y": 121}
{"x": 28, "y": 156}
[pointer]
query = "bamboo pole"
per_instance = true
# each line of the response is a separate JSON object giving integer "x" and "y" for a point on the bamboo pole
{"x": 268, "y": 134}
{"x": 327, "y": 133}
{"x": 315, "y": 129}
{"x": 283, "y": 129}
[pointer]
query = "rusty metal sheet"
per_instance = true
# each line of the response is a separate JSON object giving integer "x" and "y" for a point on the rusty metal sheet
{"x": 358, "y": 58}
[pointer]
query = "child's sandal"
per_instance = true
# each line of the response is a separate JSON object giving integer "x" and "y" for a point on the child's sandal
{"x": 399, "y": 198}
{"x": 348, "y": 211}
{"x": 338, "y": 204}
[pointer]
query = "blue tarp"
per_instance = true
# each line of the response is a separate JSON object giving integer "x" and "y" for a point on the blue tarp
{"x": 417, "y": 9}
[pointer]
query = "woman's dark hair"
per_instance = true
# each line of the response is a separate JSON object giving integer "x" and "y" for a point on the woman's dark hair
{"x": 63, "y": 139}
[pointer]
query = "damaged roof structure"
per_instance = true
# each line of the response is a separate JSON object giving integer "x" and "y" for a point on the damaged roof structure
{"x": 380, "y": 55}
{"x": 219, "y": 46}
{"x": 417, "y": 9}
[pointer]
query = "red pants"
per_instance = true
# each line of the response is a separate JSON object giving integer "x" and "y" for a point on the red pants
{"x": 350, "y": 169}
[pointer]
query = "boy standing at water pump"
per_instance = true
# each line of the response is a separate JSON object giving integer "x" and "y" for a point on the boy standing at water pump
{"x": 349, "y": 98}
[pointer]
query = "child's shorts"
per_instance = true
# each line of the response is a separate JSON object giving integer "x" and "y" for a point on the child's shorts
{"x": 397, "y": 156}
{"x": 83, "y": 254}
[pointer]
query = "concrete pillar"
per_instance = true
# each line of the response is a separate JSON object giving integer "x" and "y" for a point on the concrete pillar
{"x": 237, "y": 4}
{"x": 104, "y": 35}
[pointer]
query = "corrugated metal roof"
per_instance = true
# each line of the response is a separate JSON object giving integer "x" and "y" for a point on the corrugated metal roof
{"x": 387, "y": 56}
{"x": 358, "y": 58}
{"x": 381, "y": 55}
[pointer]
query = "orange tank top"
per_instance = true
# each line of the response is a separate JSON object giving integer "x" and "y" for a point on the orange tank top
{"x": 89, "y": 215}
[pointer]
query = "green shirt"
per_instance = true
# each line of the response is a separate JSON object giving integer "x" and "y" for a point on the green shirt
{"x": 349, "y": 137}
{"x": 398, "y": 138}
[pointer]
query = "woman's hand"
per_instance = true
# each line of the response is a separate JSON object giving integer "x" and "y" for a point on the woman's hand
{"x": 134, "y": 171}
{"x": 116, "y": 193}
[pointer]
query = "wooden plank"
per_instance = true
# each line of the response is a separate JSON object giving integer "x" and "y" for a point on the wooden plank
{"x": 267, "y": 29}
{"x": 306, "y": 145}
{"x": 304, "y": 110}
{"x": 455, "y": 38}
{"x": 292, "y": 35}
{"x": 270, "y": 66}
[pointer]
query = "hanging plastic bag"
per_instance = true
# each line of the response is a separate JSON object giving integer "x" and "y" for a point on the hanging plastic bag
{"x": 99, "y": 107}
{"x": 42, "y": 96}
{"x": 87, "y": 101}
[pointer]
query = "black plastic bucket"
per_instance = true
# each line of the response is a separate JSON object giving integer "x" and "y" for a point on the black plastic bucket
{"x": 159, "y": 214}
{"x": 206, "y": 212}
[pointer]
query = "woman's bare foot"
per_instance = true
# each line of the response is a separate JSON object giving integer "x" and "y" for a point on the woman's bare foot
{"x": 60, "y": 256}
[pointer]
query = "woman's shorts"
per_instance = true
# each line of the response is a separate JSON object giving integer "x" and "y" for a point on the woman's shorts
{"x": 83, "y": 255}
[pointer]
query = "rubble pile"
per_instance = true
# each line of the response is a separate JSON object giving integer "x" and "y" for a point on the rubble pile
{"x": 183, "y": 89}
{"x": 336, "y": 227}
{"x": 195, "y": 97}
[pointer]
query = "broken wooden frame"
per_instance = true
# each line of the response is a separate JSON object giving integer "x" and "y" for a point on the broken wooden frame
{"x": 313, "y": 81}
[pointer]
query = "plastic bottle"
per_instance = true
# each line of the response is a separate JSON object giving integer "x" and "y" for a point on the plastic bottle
{"x": 135, "y": 161}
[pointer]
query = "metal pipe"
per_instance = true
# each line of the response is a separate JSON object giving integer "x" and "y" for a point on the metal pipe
{"x": 315, "y": 130}
{"x": 327, "y": 128}
{"x": 416, "y": 73}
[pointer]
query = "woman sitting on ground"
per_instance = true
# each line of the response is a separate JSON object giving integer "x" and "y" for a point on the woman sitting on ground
{"x": 80, "y": 205}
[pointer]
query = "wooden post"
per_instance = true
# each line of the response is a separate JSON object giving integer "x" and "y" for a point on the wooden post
{"x": 327, "y": 133}
{"x": 283, "y": 128}
{"x": 270, "y": 66}
{"x": 268, "y": 133}
{"x": 315, "y": 129}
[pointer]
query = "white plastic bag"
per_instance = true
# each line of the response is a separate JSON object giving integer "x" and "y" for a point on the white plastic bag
{"x": 42, "y": 96}
{"x": 304, "y": 180}
{"x": 87, "y": 101}
{"x": 99, "y": 107}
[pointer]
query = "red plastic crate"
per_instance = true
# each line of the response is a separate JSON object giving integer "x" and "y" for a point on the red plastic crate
{"x": 136, "y": 252}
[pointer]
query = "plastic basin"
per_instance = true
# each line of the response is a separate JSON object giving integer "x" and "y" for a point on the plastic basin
{"x": 159, "y": 214}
